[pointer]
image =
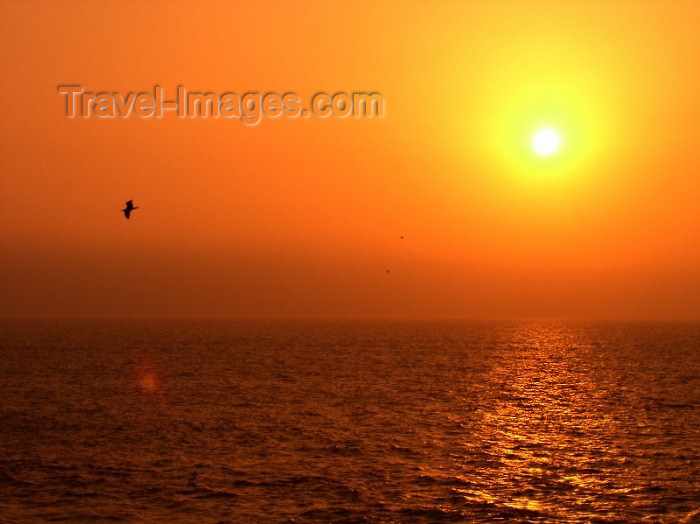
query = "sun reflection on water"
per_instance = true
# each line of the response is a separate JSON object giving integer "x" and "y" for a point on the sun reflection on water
{"x": 546, "y": 421}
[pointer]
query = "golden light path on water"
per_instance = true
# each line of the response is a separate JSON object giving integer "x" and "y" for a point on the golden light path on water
{"x": 547, "y": 402}
{"x": 556, "y": 426}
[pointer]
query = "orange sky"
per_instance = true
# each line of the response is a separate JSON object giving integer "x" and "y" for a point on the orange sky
{"x": 301, "y": 217}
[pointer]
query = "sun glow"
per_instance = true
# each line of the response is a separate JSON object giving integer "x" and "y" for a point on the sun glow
{"x": 546, "y": 142}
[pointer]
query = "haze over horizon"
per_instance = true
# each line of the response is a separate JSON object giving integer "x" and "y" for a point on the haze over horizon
{"x": 300, "y": 218}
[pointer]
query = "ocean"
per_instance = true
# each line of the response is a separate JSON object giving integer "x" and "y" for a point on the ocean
{"x": 291, "y": 421}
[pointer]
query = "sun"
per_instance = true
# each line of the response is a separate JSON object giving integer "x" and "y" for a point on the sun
{"x": 546, "y": 142}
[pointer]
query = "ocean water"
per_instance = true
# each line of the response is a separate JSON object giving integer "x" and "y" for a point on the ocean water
{"x": 349, "y": 422}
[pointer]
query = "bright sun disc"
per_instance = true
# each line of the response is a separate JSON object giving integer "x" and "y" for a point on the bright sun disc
{"x": 545, "y": 141}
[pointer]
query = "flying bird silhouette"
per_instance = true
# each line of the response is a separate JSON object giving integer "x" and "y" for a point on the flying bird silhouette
{"x": 129, "y": 208}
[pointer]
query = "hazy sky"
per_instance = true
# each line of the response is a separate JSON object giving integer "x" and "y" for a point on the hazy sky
{"x": 301, "y": 217}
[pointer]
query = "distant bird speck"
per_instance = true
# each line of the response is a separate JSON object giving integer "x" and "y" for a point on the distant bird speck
{"x": 401, "y": 237}
{"x": 387, "y": 271}
{"x": 129, "y": 208}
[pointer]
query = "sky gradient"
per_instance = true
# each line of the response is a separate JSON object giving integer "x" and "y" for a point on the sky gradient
{"x": 301, "y": 217}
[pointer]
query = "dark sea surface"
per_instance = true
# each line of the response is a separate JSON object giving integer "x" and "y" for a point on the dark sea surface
{"x": 175, "y": 421}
